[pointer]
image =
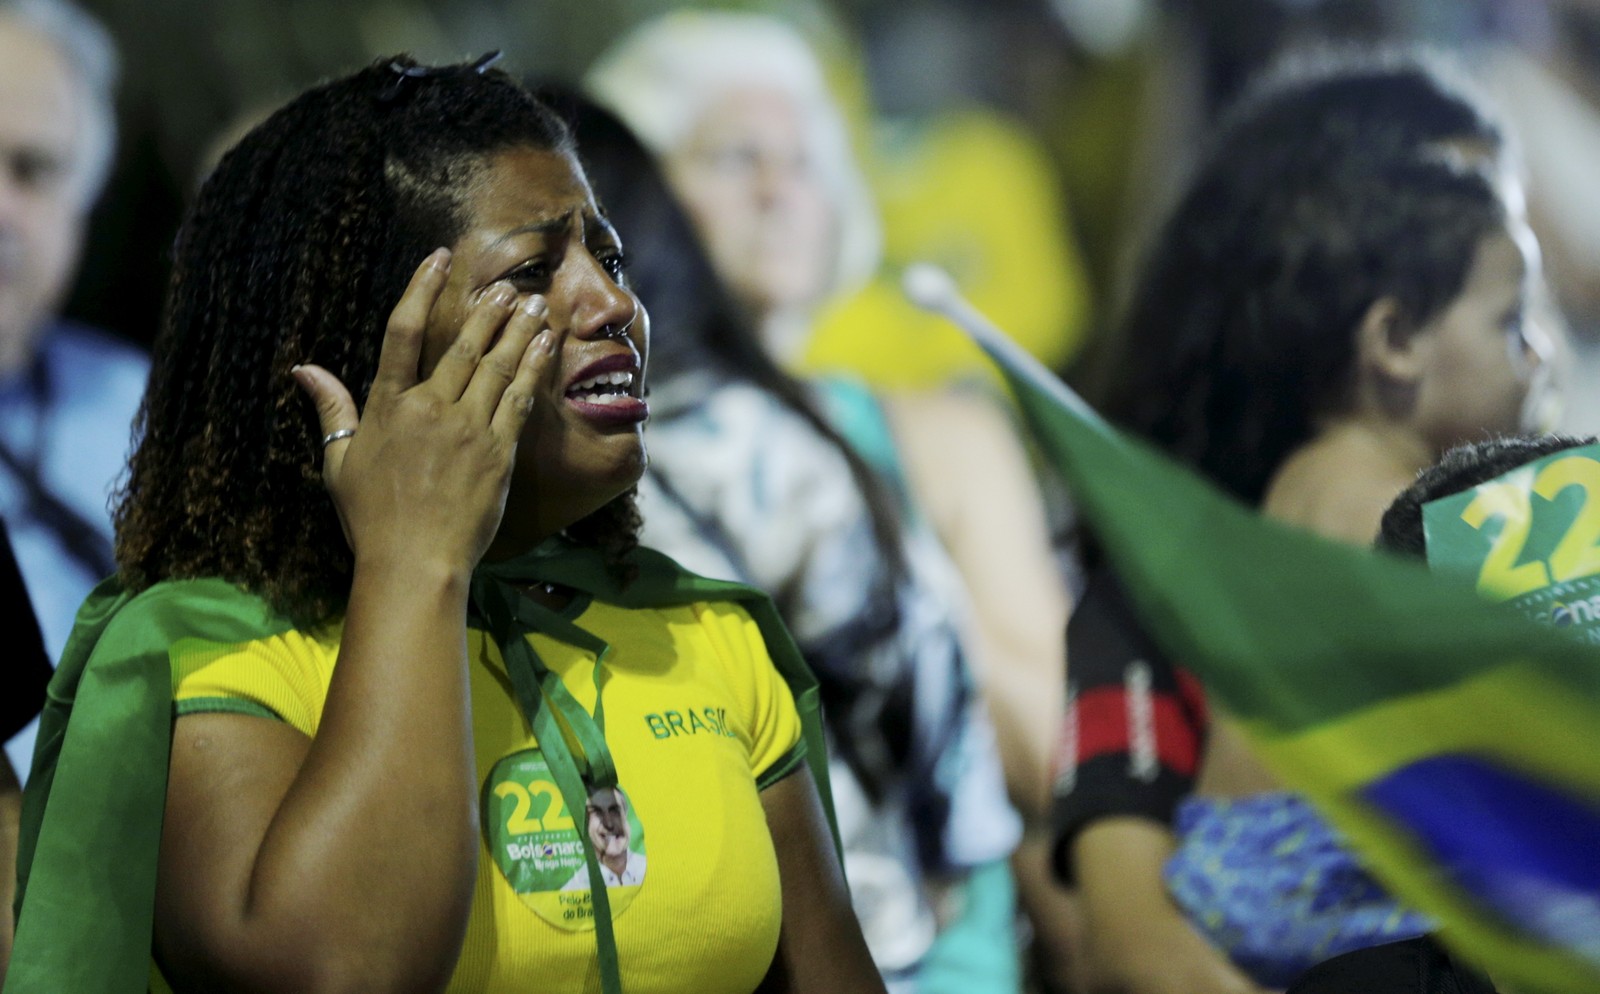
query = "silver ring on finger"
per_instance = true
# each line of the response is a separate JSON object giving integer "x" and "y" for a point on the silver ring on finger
{"x": 334, "y": 436}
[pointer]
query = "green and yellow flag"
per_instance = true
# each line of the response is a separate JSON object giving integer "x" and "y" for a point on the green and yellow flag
{"x": 1455, "y": 743}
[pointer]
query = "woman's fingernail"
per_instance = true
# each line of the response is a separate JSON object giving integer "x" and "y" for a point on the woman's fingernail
{"x": 440, "y": 259}
{"x": 502, "y": 294}
{"x": 534, "y": 305}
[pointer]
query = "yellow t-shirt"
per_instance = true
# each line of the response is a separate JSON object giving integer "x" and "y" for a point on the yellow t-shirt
{"x": 698, "y": 721}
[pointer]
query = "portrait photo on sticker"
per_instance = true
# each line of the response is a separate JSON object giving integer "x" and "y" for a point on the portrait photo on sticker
{"x": 610, "y": 835}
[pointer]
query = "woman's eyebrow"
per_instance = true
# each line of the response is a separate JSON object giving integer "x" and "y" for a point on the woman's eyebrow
{"x": 548, "y": 226}
{"x": 600, "y": 224}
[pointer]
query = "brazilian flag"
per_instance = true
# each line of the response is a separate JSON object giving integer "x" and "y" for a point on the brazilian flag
{"x": 1454, "y": 742}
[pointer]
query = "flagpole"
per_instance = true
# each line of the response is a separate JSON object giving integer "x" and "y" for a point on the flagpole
{"x": 933, "y": 290}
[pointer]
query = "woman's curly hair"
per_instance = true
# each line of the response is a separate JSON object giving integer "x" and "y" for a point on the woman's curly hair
{"x": 1335, "y": 184}
{"x": 298, "y": 246}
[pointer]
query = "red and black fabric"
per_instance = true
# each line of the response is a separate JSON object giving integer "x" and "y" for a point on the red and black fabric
{"x": 1135, "y": 724}
{"x": 24, "y": 676}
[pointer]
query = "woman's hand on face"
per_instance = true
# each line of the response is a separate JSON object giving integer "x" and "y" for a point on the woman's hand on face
{"x": 423, "y": 477}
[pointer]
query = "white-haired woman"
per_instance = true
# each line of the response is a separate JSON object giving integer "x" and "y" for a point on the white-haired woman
{"x": 737, "y": 108}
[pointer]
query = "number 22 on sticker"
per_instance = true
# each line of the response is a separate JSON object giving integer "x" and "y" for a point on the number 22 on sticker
{"x": 555, "y": 817}
{"x": 1576, "y": 554}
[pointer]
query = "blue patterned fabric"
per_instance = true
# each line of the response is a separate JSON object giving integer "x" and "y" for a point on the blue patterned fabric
{"x": 1272, "y": 884}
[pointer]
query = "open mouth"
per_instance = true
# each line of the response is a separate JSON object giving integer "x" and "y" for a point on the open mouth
{"x": 607, "y": 391}
{"x": 604, "y": 389}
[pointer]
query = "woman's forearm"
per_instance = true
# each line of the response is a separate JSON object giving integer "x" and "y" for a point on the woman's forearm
{"x": 1137, "y": 940}
{"x": 385, "y": 803}
{"x": 972, "y": 476}
{"x": 361, "y": 869}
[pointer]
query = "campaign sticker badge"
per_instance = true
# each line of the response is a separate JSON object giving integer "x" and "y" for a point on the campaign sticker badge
{"x": 1529, "y": 538}
{"x": 538, "y": 843}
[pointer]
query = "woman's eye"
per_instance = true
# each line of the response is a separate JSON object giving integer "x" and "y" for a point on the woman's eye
{"x": 733, "y": 159}
{"x": 532, "y": 277}
{"x": 616, "y": 264}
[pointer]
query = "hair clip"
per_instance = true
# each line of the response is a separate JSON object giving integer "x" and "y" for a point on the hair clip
{"x": 405, "y": 77}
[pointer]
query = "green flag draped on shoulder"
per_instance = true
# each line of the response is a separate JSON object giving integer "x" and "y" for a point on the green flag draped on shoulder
{"x": 1454, "y": 743}
{"x": 91, "y": 820}
{"x": 91, "y": 814}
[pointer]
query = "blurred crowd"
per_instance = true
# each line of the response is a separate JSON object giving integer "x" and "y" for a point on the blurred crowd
{"x": 1304, "y": 246}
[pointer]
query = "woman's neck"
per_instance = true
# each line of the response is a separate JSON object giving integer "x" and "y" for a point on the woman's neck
{"x": 1340, "y": 482}
{"x": 513, "y": 539}
{"x": 784, "y": 333}
{"x": 1383, "y": 439}
{"x": 509, "y": 543}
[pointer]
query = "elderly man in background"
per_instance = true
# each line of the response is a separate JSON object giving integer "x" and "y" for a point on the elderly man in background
{"x": 67, "y": 393}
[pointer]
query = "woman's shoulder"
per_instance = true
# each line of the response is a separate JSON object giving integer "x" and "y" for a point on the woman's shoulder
{"x": 1336, "y": 487}
{"x": 208, "y": 609}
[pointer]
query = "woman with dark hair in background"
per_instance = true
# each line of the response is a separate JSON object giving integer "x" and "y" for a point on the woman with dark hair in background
{"x": 1286, "y": 314}
{"x": 750, "y": 480}
{"x": 398, "y": 680}
{"x": 1342, "y": 293}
